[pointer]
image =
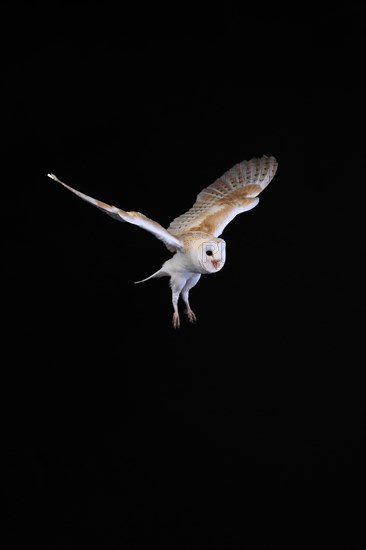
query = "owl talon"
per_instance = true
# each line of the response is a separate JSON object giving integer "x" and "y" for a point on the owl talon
{"x": 191, "y": 316}
{"x": 176, "y": 320}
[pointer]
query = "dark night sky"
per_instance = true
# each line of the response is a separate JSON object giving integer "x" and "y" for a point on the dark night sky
{"x": 248, "y": 426}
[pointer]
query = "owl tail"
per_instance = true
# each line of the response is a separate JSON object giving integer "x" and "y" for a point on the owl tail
{"x": 159, "y": 273}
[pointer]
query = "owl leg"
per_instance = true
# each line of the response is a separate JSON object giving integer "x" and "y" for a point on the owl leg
{"x": 192, "y": 281}
{"x": 188, "y": 311}
{"x": 176, "y": 286}
{"x": 176, "y": 320}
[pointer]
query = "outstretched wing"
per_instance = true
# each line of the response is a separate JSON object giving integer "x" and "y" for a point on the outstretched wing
{"x": 235, "y": 192}
{"x": 135, "y": 218}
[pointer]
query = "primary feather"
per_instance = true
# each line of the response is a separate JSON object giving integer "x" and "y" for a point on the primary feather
{"x": 136, "y": 218}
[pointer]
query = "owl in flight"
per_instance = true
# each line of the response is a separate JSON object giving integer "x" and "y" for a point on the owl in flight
{"x": 193, "y": 237}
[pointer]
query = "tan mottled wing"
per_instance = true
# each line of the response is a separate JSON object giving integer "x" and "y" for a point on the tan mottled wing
{"x": 235, "y": 192}
{"x": 135, "y": 218}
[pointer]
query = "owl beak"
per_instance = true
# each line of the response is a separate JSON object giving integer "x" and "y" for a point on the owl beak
{"x": 215, "y": 263}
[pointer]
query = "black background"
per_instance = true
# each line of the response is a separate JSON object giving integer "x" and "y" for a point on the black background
{"x": 246, "y": 429}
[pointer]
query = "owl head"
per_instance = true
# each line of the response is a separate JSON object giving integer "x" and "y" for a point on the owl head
{"x": 212, "y": 255}
{"x": 206, "y": 253}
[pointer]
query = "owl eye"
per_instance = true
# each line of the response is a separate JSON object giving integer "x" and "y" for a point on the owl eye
{"x": 209, "y": 252}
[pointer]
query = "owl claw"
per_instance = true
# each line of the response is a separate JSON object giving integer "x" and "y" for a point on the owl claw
{"x": 176, "y": 320}
{"x": 191, "y": 316}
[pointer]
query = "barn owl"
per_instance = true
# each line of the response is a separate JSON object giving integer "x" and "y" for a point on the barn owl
{"x": 194, "y": 237}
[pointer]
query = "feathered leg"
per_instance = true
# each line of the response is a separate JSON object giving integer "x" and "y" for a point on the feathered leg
{"x": 175, "y": 298}
{"x": 191, "y": 282}
{"x": 177, "y": 284}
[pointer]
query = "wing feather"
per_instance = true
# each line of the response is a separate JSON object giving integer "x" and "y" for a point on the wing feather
{"x": 136, "y": 218}
{"x": 233, "y": 193}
